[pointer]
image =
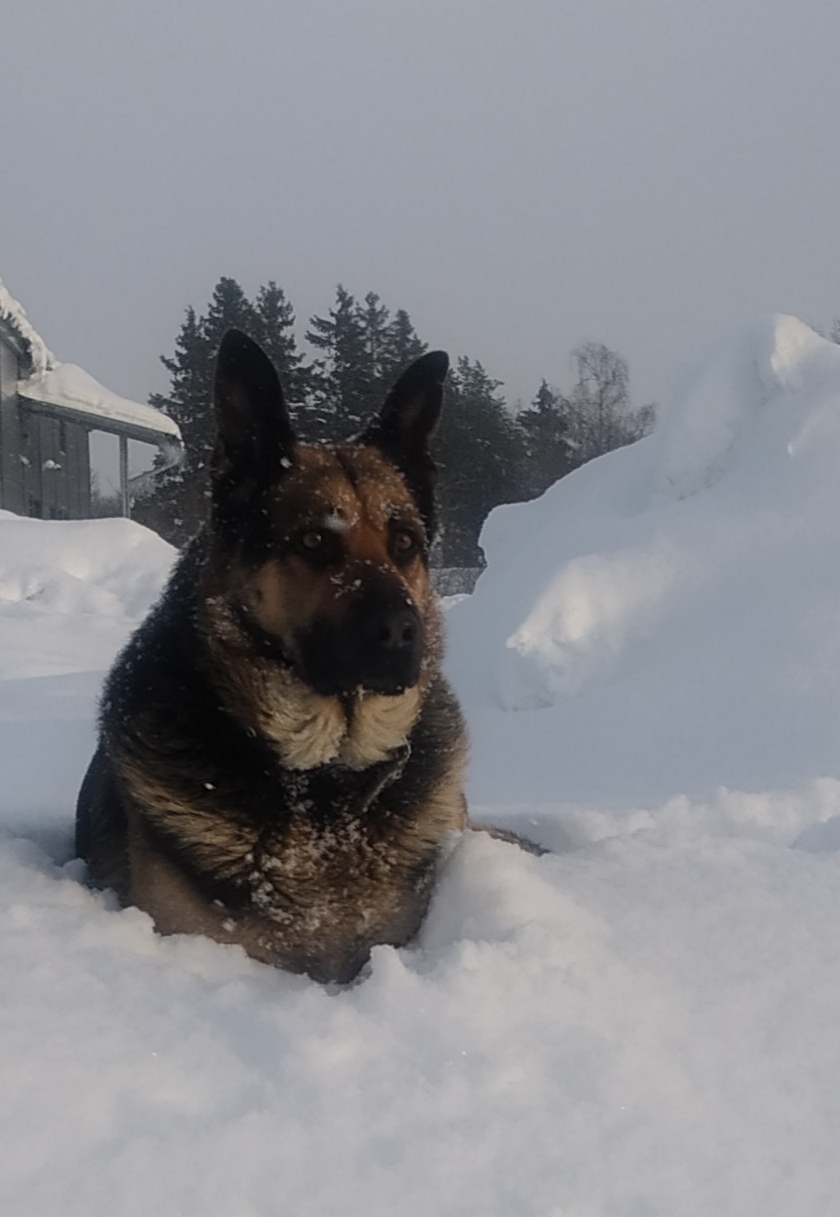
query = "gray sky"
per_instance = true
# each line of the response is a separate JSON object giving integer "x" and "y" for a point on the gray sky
{"x": 519, "y": 176}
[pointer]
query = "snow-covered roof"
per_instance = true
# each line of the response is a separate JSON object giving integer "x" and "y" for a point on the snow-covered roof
{"x": 15, "y": 315}
{"x": 71, "y": 388}
{"x": 67, "y": 385}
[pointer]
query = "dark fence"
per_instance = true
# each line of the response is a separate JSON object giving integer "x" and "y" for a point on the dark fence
{"x": 454, "y": 580}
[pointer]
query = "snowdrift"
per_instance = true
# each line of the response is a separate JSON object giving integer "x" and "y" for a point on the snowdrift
{"x": 642, "y": 1023}
{"x": 667, "y": 618}
{"x": 70, "y": 595}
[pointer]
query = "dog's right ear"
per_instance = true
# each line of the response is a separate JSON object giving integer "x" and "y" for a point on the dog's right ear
{"x": 404, "y": 428}
{"x": 255, "y": 437}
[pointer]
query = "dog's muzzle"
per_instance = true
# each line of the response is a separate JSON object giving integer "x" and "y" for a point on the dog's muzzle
{"x": 377, "y": 646}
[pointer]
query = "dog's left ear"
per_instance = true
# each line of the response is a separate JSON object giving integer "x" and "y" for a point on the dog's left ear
{"x": 254, "y": 431}
{"x": 254, "y": 440}
{"x": 255, "y": 437}
{"x": 404, "y": 427}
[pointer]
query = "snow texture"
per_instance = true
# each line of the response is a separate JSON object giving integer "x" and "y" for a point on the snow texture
{"x": 642, "y": 1023}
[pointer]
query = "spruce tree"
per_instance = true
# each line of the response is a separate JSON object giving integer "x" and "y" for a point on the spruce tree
{"x": 229, "y": 309}
{"x": 178, "y": 501}
{"x": 374, "y": 320}
{"x": 340, "y": 376}
{"x": 546, "y": 449}
{"x": 477, "y": 451}
{"x": 402, "y": 347}
{"x": 275, "y": 332}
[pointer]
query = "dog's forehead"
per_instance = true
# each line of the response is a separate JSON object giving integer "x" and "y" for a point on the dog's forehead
{"x": 344, "y": 484}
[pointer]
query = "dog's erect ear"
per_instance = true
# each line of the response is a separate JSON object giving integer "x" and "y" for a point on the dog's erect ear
{"x": 404, "y": 427}
{"x": 254, "y": 433}
{"x": 407, "y": 421}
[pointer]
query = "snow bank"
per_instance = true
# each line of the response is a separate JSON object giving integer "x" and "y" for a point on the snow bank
{"x": 114, "y": 568}
{"x": 70, "y": 595}
{"x": 668, "y": 617}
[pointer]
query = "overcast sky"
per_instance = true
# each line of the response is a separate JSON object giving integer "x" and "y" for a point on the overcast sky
{"x": 520, "y": 176}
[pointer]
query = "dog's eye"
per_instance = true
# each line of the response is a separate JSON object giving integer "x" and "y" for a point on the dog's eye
{"x": 404, "y": 543}
{"x": 312, "y": 539}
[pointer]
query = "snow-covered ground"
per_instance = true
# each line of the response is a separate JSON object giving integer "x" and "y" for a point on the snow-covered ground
{"x": 642, "y": 1023}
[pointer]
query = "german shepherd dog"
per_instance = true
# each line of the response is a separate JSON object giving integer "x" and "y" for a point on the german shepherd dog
{"x": 280, "y": 758}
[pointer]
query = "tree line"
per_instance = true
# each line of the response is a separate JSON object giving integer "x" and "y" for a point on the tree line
{"x": 486, "y": 454}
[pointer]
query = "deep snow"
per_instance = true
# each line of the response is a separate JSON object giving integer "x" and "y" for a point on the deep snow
{"x": 673, "y": 608}
{"x": 640, "y": 1024}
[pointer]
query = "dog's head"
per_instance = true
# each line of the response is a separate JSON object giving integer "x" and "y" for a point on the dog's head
{"x": 322, "y": 552}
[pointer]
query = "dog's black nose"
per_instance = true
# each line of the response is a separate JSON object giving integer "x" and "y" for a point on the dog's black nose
{"x": 394, "y": 629}
{"x": 391, "y": 646}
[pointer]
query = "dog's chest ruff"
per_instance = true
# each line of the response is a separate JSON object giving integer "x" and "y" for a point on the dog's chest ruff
{"x": 309, "y": 730}
{"x": 306, "y": 728}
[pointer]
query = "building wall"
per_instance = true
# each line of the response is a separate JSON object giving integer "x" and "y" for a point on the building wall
{"x": 11, "y": 469}
{"x": 44, "y": 460}
{"x": 45, "y": 449}
{"x": 56, "y": 466}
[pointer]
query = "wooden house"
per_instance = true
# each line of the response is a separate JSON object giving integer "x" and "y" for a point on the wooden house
{"x": 47, "y": 412}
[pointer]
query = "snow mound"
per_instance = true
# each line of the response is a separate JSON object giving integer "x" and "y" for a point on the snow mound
{"x": 71, "y": 592}
{"x": 692, "y": 571}
{"x": 720, "y": 396}
{"x": 113, "y": 567}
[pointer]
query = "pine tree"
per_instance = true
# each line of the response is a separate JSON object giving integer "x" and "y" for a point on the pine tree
{"x": 275, "y": 332}
{"x": 179, "y": 497}
{"x": 229, "y": 309}
{"x": 546, "y": 450}
{"x": 340, "y": 377}
{"x": 363, "y": 352}
{"x": 477, "y": 451}
{"x": 402, "y": 347}
{"x": 374, "y": 319}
